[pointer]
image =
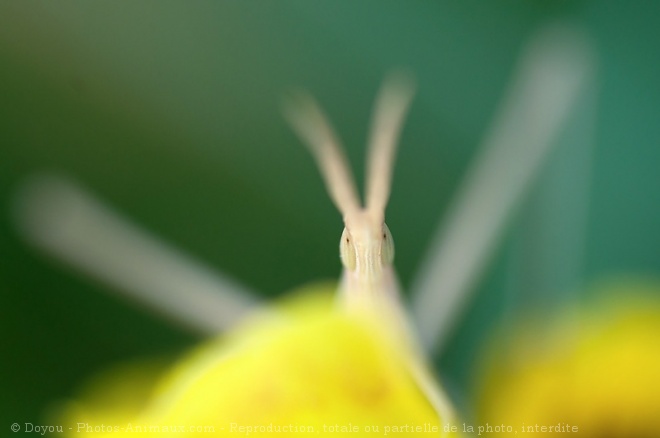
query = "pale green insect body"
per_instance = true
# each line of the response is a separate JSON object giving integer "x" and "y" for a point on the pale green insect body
{"x": 366, "y": 247}
{"x": 368, "y": 283}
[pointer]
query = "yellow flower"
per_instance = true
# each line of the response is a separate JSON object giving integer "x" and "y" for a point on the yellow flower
{"x": 306, "y": 368}
{"x": 596, "y": 372}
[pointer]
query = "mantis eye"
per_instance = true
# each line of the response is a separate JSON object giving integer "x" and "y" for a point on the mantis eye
{"x": 347, "y": 250}
{"x": 387, "y": 247}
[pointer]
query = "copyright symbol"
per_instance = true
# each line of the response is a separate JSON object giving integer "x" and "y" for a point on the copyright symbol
{"x": 15, "y": 427}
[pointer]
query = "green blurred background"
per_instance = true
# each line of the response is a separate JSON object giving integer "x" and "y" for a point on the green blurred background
{"x": 170, "y": 112}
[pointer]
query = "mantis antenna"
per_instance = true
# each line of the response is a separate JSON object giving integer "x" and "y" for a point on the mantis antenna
{"x": 308, "y": 120}
{"x": 391, "y": 108}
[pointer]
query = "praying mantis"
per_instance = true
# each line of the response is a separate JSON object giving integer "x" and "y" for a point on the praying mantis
{"x": 368, "y": 281}
{"x": 551, "y": 73}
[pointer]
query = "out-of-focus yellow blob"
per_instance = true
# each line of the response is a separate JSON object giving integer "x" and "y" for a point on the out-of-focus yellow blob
{"x": 596, "y": 370}
{"x": 113, "y": 396}
{"x": 304, "y": 368}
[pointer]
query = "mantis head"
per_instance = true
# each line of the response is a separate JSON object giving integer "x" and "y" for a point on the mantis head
{"x": 366, "y": 245}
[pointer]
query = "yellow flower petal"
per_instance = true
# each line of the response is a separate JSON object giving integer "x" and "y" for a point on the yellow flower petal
{"x": 599, "y": 375}
{"x": 305, "y": 368}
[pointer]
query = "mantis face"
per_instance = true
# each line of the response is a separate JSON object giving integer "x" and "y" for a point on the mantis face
{"x": 366, "y": 249}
